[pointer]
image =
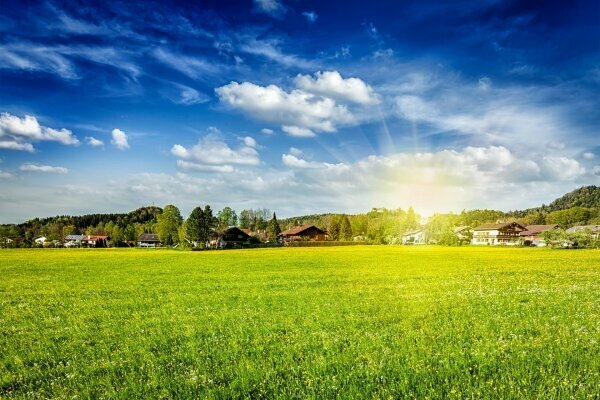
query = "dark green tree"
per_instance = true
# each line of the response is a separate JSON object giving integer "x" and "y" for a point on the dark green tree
{"x": 167, "y": 225}
{"x": 273, "y": 228}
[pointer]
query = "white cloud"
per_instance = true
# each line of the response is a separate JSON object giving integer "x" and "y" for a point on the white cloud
{"x": 119, "y": 139}
{"x": 249, "y": 141}
{"x": 30, "y": 167}
{"x": 5, "y": 175}
{"x": 588, "y": 155}
{"x": 295, "y": 151}
{"x": 14, "y": 145}
{"x": 267, "y": 131}
{"x": 293, "y": 109}
{"x": 212, "y": 154}
{"x": 18, "y": 133}
{"x": 596, "y": 170}
{"x": 92, "y": 141}
{"x": 272, "y": 7}
{"x": 297, "y": 131}
{"x": 331, "y": 84}
{"x": 555, "y": 145}
{"x": 310, "y": 16}
{"x": 293, "y": 161}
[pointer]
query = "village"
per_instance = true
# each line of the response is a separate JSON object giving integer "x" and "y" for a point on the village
{"x": 490, "y": 234}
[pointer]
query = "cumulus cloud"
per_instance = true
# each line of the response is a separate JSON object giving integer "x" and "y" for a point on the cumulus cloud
{"x": 18, "y": 133}
{"x": 316, "y": 105}
{"x": 5, "y": 175}
{"x": 267, "y": 131}
{"x": 295, "y": 151}
{"x": 331, "y": 84}
{"x": 31, "y": 167}
{"x": 470, "y": 166}
{"x": 588, "y": 155}
{"x": 92, "y": 141}
{"x": 212, "y": 154}
{"x": 119, "y": 139}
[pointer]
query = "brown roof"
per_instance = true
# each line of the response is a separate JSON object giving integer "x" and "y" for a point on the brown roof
{"x": 148, "y": 237}
{"x": 490, "y": 227}
{"x": 533, "y": 230}
{"x": 297, "y": 230}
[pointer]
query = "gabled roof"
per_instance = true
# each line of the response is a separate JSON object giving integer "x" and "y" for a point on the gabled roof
{"x": 148, "y": 237}
{"x": 493, "y": 227}
{"x": 458, "y": 229}
{"x": 74, "y": 237}
{"x": 412, "y": 232}
{"x": 234, "y": 230}
{"x": 298, "y": 230}
{"x": 96, "y": 237}
{"x": 533, "y": 230}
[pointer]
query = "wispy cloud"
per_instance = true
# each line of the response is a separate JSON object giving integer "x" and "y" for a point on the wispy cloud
{"x": 30, "y": 167}
{"x": 274, "y": 8}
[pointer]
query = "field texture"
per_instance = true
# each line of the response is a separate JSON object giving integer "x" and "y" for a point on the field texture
{"x": 351, "y": 322}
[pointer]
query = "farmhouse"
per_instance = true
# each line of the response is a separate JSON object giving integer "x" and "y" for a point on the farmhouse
{"x": 414, "y": 237}
{"x": 594, "y": 229}
{"x": 532, "y": 236}
{"x": 148, "y": 240}
{"x": 95, "y": 241}
{"x": 303, "y": 233}
{"x": 463, "y": 233}
{"x": 41, "y": 240}
{"x": 234, "y": 237}
{"x": 506, "y": 233}
{"x": 73, "y": 240}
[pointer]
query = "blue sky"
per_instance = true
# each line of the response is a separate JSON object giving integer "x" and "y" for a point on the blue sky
{"x": 299, "y": 107}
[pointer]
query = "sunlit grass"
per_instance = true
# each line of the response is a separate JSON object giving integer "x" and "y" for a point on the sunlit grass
{"x": 353, "y": 322}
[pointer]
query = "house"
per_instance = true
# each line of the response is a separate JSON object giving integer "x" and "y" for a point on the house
{"x": 414, "y": 237}
{"x": 303, "y": 233}
{"x": 73, "y": 240}
{"x": 148, "y": 240}
{"x": 40, "y": 241}
{"x": 463, "y": 233}
{"x": 95, "y": 241}
{"x": 234, "y": 237}
{"x": 505, "y": 233}
{"x": 594, "y": 229}
{"x": 532, "y": 236}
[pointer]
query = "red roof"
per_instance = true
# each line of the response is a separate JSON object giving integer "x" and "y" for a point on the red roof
{"x": 96, "y": 237}
{"x": 297, "y": 230}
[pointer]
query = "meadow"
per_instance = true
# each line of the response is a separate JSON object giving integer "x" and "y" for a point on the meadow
{"x": 337, "y": 322}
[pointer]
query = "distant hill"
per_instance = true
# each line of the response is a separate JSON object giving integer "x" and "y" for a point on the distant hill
{"x": 585, "y": 196}
{"x": 141, "y": 215}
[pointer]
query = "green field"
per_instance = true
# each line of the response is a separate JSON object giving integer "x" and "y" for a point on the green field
{"x": 349, "y": 322}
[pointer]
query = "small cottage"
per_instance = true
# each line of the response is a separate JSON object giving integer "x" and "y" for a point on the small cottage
{"x": 73, "y": 240}
{"x": 303, "y": 233}
{"x": 414, "y": 237}
{"x": 148, "y": 240}
{"x": 234, "y": 237}
{"x": 95, "y": 241}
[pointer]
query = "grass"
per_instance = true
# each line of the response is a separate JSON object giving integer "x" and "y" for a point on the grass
{"x": 351, "y": 322}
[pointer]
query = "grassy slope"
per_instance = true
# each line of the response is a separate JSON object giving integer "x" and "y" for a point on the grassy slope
{"x": 308, "y": 322}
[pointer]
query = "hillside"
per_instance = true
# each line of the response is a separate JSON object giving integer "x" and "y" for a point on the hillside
{"x": 585, "y": 196}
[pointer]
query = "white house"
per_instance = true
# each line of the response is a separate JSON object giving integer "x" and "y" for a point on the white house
{"x": 505, "y": 233}
{"x": 41, "y": 240}
{"x": 594, "y": 229}
{"x": 414, "y": 237}
{"x": 73, "y": 240}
